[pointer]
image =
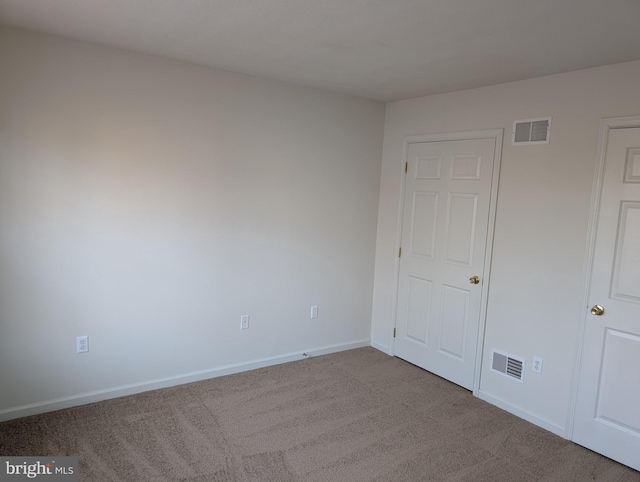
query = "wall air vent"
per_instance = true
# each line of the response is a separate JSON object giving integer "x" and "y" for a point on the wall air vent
{"x": 507, "y": 365}
{"x": 531, "y": 131}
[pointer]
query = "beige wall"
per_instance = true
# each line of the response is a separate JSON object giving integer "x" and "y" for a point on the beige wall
{"x": 149, "y": 203}
{"x": 536, "y": 286}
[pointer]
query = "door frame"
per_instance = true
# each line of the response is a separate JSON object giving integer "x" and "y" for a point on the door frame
{"x": 607, "y": 124}
{"x": 497, "y": 135}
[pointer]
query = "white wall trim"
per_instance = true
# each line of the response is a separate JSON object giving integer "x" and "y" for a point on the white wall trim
{"x": 498, "y": 135}
{"x": 133, "y": 388}
{"x": 606, "y": 125}
{"x": 528, "y": 416}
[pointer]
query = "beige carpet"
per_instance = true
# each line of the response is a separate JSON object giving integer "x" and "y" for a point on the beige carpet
{"x": 350, "y": 416}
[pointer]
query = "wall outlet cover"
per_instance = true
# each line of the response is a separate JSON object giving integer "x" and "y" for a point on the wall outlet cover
{"x": 537, "y": 364}
{"x": 82, "y": 344}
{"x": 244, "y": 322}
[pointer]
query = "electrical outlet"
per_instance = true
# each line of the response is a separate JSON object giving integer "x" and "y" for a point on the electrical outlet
{"x": 537, "y": 364}
{"x": 314, "y": 311}
{"x": 82, "y": 344}
{"x": 244, "y": 322}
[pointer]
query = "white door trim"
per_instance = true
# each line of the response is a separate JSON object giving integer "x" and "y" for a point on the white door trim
{"x": 606, "y": 125}
{"x": 496, "y": 134}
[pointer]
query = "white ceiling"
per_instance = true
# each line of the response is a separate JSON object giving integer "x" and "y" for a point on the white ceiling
{"x": 379, "y": 49}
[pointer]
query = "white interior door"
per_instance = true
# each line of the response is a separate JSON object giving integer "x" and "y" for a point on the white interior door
{"x": 444, "y": 238}
{"x": 607, "y": 416}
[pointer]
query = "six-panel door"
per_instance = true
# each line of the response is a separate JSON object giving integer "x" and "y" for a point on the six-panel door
{"x": 607, "y": 417}
{"x": 444, "y": 236}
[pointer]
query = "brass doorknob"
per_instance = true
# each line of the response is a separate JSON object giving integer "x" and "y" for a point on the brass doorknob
{"x": 474, "y": 280}
{"x": 597, "y": 310}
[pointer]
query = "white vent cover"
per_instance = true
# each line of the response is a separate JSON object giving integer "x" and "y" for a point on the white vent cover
{"x": 507, "y": 365}
{"x": 531, "y": 131}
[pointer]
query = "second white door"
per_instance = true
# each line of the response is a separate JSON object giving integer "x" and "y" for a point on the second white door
{"x": 607, "y": 417}
{"x": 444, "y": 239}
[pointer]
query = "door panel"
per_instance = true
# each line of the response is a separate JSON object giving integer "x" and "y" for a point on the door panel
{"x": 419, "y": 309}
{"x": 615, "y": 392}
{"x": 460, "y": 226}
{"x": 607, "y": 418}
{"x": 453, "y": 321}
{"x": 444, "y": 235}
{"x": 626, "y": 275}
{"x": 423, "y": 221}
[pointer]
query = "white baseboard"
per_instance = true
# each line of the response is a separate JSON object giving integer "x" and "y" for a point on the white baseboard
{"x": 131, "y": 389}
{"x": 528, "y": 416}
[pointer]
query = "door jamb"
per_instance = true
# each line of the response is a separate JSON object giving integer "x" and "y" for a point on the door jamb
{"x": 606, "y": 125}
{"x": 497, "y": 135}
